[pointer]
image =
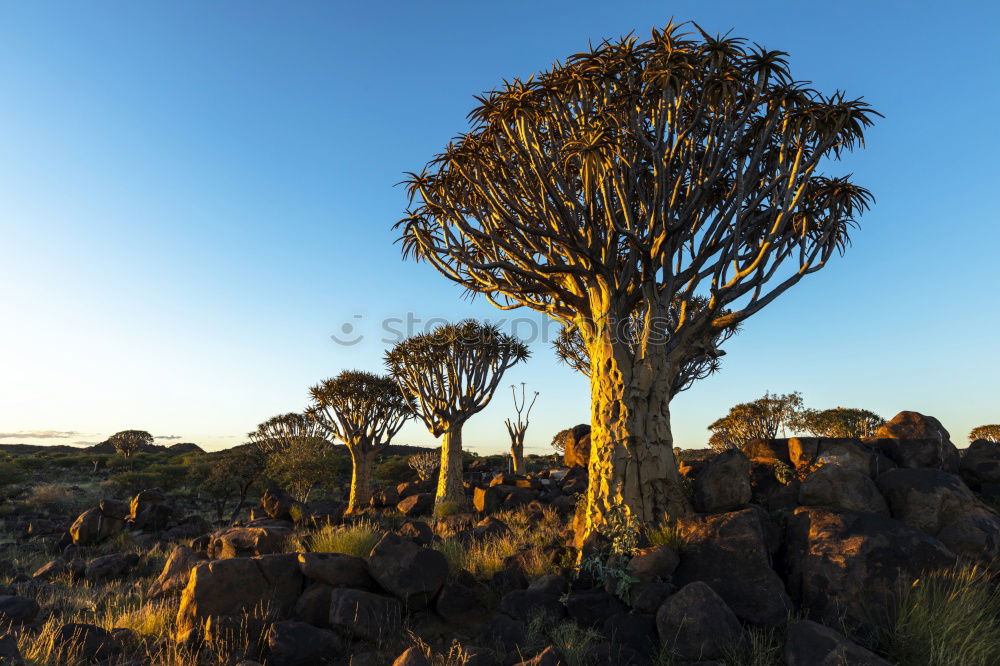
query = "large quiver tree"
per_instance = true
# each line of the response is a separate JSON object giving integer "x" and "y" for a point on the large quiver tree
{"x": 365, "y": 411}
{"x": 641, "y": 174}
{"x": 451, "y": 374}
{"x": 128, "y": 442}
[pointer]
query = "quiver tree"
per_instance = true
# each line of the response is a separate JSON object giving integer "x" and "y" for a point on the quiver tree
{"x": 991, "y": 433}
{"x": 450, "y": 374}
{"x": 364, "y": 411}
{"x": 641, "y": 174}
{"x": 425, "y": 464}
{"x": 838, "y": 422}
{"x": 280, "y": 432}
{"x": 516, "y": 429}
{"x": 128, "y": 442}
{"x": 763, "y": 418}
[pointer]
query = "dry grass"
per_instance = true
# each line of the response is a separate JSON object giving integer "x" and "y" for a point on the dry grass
{"x": 947, "y": 618}
{"x": 357, "y": 539}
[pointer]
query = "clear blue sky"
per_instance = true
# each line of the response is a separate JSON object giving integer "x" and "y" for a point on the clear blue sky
{"x": 194, "y": 196}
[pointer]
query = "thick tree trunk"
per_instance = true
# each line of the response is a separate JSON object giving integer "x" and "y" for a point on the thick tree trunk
{"x": 361, "y": 480}
{"x": 517, "y": 454}
{"x": 450, "y": 488}
{"x": 632, "y": 458}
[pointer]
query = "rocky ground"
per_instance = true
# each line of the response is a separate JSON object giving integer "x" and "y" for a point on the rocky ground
{"x": 802, "y": 551}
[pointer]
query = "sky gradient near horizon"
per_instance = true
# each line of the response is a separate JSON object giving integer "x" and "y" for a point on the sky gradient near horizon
{"x": 194, "y": 197}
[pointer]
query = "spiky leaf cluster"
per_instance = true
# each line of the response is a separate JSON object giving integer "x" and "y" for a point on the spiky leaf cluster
{"x": 361, "y": 409}
{"x": 281, "y": 431}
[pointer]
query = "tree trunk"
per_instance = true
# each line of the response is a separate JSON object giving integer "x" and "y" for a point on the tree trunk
{"x": 361, "y": 480}
{"x": 450, "y": 488}
{"x": 517, "y": 454}
{"x": 632, "y": 449}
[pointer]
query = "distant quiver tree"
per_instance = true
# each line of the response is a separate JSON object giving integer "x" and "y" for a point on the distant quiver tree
{"x": 128, "y": 442}
{"x": 450, "y": 374}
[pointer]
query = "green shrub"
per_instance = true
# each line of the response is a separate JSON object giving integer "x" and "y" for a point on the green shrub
{"x": 394, "y": 470}
{"x": 357, "y": 539}
{"x": 10, "y": 473}
{"x": 947, "y": 618}
{"x": 446, "y": 508}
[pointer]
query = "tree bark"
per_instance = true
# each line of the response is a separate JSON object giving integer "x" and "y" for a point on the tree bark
{"x": 450, "y": 488}
{"x": 632, "y": 458}
{"x": 361, "y": 480}
{"x": 517, "y": 455}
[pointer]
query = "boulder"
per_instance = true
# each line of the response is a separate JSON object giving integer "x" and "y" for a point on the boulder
{"x": 176, "y": 571}
{"x": 409, "y": 572}
{"x": 524, "y": 604}
{"x": 695, "y": 623}
{"x": 292, "y": 643}
{"x": 385, "y": 497}
{"x": 416, "y": 505}
{"x": 9, "y": 652}
{"x": 456, "y": 603}
{"x": 231, "y": 588}
{"x": 490, "y": 527}
{"x": 943, "y": 506}
{"x": 450, "y": 527}
{"x": 653, "y": 563}
{"x": 839, "y": 487}
{"x": 981, "y": 464}
{"x": 109, "y": 566}
{"x": 767, "y": 451}
{"x": 811, "y": 644}
{"x": 247, "y": 541}
{"x": 633, "y": 630}
{"x": 487, "y": 500}
{"x": 144, "y": 500}
{"x": 417, "y": 531}
{"x": 336, "y": 569}
{"x": 363, "y": 614}
{"x": 590, "y": 608}
{"x": 731, "y": 554}
{"x": 850, "y": 566}
{"x": 17, "y": 610}
{"x": 552, "y": 584}
{"x": 313, "y": 606}
{"x": 913, "y": 440}
{"x": 648, "y": 597}
{"x": 723, "y": 484}
{"x": 277, "y": 504}
{"x": 86, "y": 641}
{"x": 807, "y": 454}
{"x": 94, "y": 525}
{"x": 577, "y": 446}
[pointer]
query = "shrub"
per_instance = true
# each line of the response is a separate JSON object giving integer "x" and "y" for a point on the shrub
{"x": 663, "y": 535}
{"x": 53, "y": 497}
{"x": 9, "y": 473}
{"x": 947, "y": 618}
{"x": 445, "y": 508}
{"x": 394, "y": 470}
{"x": 357, "y": 539}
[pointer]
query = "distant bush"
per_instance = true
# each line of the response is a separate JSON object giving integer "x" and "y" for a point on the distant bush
{"x": 126, "y": 484}
{"x": 31, "y": 462}
{"x": 10, "y": 473}
{"x": 394, "y": 470}
{"x": 947, "y": 618}
{"x": 53, "y": 497}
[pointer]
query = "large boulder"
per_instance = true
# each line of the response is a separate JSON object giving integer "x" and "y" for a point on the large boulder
{"x": 524, "y": 604}
{"x": 981, "y": 464}
{"x": 86, "y": 642}
{"x": 277, "y": 504}
{"x": 913, "y": 440}
{"x": 807, "y": 454}
{"x": 149, "y": 510}
{"x": 839, "y": 487}
{"x": 723, "y": 484}
{"x": 696, "y": 624}
{"x": 17, "y": 610}
{"x": 411, "y": 573}
{"x": 811, "y": 644}
{"x": 247, "y": 541}
{"x": 655, "y": 563}
{"x": 335, "y": 569}
{"x": 292, "y": 643}
{"x": 421, "y": 504}
{"x": 577, "y": 446}
{"x": 176, "y": 571}
{"x": 943, "y": 506}
{"x": 730, "y": 553}
{"x": 363, "y": 614}
{"x": 488, "y": 500}
{"x": 231, "y": 588}
{"x": 850, "y": 566}
{"x": 113, "y": 565}
{"x": 96, "y": 524}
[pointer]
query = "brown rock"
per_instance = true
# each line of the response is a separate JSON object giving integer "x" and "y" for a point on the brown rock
{"x": 724, "y": 483}
{"x": 410, "y": 572}
{"x": 416, "y": 505}
{"x": 811, "y": 644}
{"x": 810, "y": 453}
{"x": 653, "y": 563}
{"x": 110, "y": 566}
{"x": 247, "y": 541}
{"x": 697, "y": 624}
{"x": 981, "y": 464}
{"x": 93, "y": 526}
{"x": 292, "y": 643}
{"x": 176, "y": 571}
{"x": 335, "y": 569}
{"x": 577, "y": 450}
{"x": 913, "y": 440}
{"x": 363, "y": 614}
{"x": 839, "y": 487}
{"x": 412, "y": 656}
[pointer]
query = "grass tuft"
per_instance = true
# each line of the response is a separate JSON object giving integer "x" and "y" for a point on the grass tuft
{"x": 357, "y": 539}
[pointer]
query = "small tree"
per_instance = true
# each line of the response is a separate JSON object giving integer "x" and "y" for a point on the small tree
{"x": 991, "y": 433}
{"x": 761, "y": 419}
{"x": 516, "y": 429}
{"x": 303, "y": 465}
{"x": 451, "y": 374}
{"x": 364, "y": 411}
{"x": 425, "y": 464}
{"x": 642, "y": 174}
{"x": 128, "y": 442}
{"x": 838, "y": 422}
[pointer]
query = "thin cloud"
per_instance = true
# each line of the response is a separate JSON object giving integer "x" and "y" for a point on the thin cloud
{"x": 82, "y": 443}
{"x": 40, "y": 434}
{"x": 168, "y": 437}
